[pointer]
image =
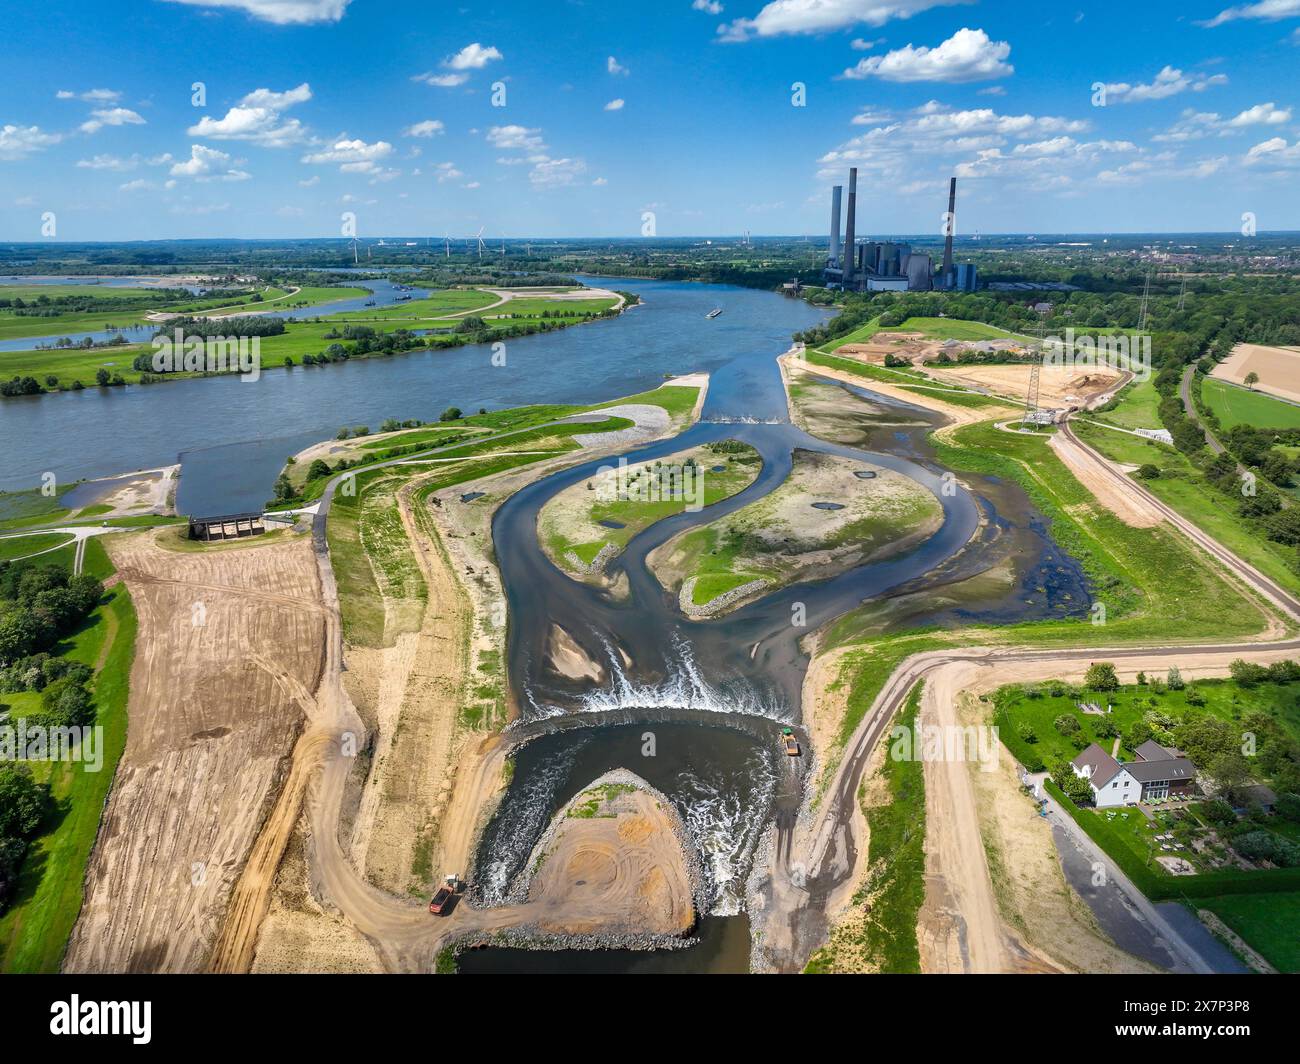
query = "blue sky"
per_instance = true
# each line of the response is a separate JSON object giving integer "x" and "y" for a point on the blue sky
{"x": 384, "y": 108}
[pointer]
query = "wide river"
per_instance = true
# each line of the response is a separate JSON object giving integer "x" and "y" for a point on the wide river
{"x": 233, "y": 436}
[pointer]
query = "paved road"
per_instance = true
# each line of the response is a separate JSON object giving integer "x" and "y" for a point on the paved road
{"x": 1185, "y": 390}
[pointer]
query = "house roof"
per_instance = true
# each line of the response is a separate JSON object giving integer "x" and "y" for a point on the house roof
{"x": 1100, "y": 765}
{"x": 1169, "y": 768}
{"x": 1153, "y": 751}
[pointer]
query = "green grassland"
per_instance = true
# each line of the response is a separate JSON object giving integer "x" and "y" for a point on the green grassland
{"x": 1234, "y": 406}
{"x": 1267, "y": 922}
{"x": 1137, "y": 407}
{"x": 1039, "y": 705}
{"x": 34, "y": 931}
{"x": 1181, "y": 486}
{"x": 930, "y": 328}
{"x": 908, "y": 380}
{"x": 737, "y": 471}
{"x": 22, "y": 546}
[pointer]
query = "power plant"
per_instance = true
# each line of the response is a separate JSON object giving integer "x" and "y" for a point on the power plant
{"x": 875, "y": 266}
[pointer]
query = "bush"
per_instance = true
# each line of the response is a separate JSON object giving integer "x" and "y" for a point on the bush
{"x": 1149, "y": 472}
{"x": 1067, "y": 724}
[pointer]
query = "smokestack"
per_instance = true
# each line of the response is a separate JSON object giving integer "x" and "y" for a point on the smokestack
{"x": 836, "y": 192}
{"x": 952, "y": 224}
{"x": 850, "y": 251}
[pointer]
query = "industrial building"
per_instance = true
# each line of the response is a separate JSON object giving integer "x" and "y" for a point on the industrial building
{"x": 885, "y": 266}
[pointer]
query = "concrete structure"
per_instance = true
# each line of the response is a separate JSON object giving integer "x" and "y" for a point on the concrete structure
{"x": 834, "y": 259}
{"x": 885, "y": 266}
{"x": 231, "y": 526}
{"x": 1155, "y": 772}
{"x": 847, "y": 274}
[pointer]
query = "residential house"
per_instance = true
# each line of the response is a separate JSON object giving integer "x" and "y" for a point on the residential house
{"x": 1155, "y": 772}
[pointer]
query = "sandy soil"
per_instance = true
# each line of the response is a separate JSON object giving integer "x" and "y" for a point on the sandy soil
{"x": 570, "y": 660}
{"x": 612, "y": 863}
{"x": 1129, "y": 507}
{"x": 831, "y": 413}
{"x": 1058, "y": 386}
{"x": 1278, "y": 369}
{"x": 215, "y": 710}
{"x": 799, "y": 538}
{"x": 148, "y": 491}
{"x": 958, "y": 415}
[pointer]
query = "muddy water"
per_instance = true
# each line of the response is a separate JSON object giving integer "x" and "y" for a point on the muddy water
{"x": 714, "y": 694}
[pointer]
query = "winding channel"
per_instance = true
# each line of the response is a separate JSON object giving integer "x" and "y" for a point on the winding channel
{"x": 709, "y": 694}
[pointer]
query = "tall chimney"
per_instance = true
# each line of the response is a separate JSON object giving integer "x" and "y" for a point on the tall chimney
{"x": 850, "y": 251}
{"x": 836, "y": 192}
{"x": 947, "y": 278}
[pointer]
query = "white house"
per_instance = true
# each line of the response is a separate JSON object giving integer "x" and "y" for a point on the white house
{"x": 1158, "y": 772}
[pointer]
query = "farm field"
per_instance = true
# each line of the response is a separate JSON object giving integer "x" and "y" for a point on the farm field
{"x": 1240, "y": 406}
{"x": 1278, "y": 369}
{"x": 1266, "y": 921}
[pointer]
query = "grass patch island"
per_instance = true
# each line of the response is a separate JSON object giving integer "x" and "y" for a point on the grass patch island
{"x": 830, "y": 515}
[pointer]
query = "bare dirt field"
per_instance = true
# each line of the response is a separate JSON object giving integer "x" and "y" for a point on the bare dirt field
{"x": 1278, "y": 369}
{"x": 229, "y": 647}
{"x": 612, "y": 863}
{"x": 1058, "y": 386}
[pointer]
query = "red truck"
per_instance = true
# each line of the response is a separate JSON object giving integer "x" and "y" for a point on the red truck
{"x": 443, "y": 900}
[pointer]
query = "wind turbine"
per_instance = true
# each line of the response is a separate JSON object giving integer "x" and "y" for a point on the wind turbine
{"x": 479, "y": 237}
{"x": 447, "y": 238}
{"x": 355, "y": 257}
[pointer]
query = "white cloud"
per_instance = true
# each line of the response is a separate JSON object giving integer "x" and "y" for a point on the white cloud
{"x": 1262, "y": 114}
{"x": 257, "y": 118}
{"x": 446, "y": 172}
{"x": 470, "y": 184}
{"x": 442, "y": 81}
{"x": 209, "y": 164}
{"x": 17, "y": 142}
{"x": 615, "y": 67}
{"x": 861, "y": 44}
{"x": 112, "y": 116}
{"x": 1169, "y": 82}
{"x": 1267, "y": 10}
{"x": 352, "y": 156}
{"x": 968, "y": 55}
{"x": 472, "y": 57}
{"x": 90, "y": 95}
{"x": 515, "y": 138}
{"x": 428, "y": 128}
{"x": 1274, "y": 154}
{"x": 600, "y": 182}
{"x": 709, "y": 7}
{"x": 615, "y": 105}
{"x": 784, "y": 17}
{"x": 140, "y": 184}
{"x": 280, "y": 12}
{"x": 992, "y": 90}
{"x": 109, "y": 162}
{"x": 550, "y": 173}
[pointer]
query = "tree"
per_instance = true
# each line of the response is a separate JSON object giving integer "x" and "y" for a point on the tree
{"x": 452, "y": 413}
{"x": 1147, "y": 471}
{"x": 1251, "y": 380}
{"x": 318, "y": 468}
{"x": 22, "y": 801}
{"x": 1176, "y": 681}
{"x": 1101, "y": 677}
{"x": 102, "y": 377}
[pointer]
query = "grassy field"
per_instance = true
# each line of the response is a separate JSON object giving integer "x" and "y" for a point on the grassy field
{"x": 885, "y": 937}
{"x": 1138, "y": 407}
{"x": 908, "y": 380}
{"x": 1037, "y": 707}
{"x": 34, "y": 931}
{"x": 930, "y": 328}
{"x": 1267, "y": 922}
{"x": 1183, "y": 488}
{"x": 22, "y": 546}
{"x": 1234, "y": 405}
